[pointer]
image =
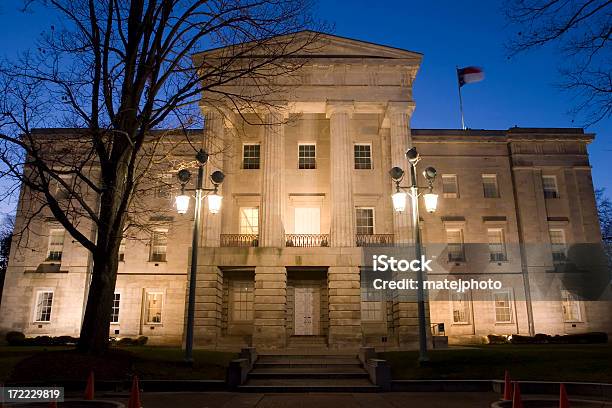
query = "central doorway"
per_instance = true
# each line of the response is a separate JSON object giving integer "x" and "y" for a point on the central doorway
{"x": 307, "y": 302}
{"x": 307, "y": 311}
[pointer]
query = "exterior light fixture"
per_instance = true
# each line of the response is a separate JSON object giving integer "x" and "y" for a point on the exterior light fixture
{"x": 214, "y": 198}
{"x": 182, "y": 205}
{"x": 399, "y": 205}
{"x": 430, "y": 198}
{"x": 182, "y": 200}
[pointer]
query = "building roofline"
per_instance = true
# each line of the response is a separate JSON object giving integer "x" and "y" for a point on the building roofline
{"x": 320, "y": 33}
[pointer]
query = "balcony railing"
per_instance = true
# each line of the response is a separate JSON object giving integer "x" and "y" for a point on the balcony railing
{"x": 367, "y": 240}
{"x": 307, "y": 240}
{"x": 239, "y": 240}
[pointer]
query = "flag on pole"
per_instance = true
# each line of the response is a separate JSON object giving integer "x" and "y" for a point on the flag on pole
{"x": 469, "y": 75}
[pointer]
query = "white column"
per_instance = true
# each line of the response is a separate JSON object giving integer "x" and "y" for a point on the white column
{"x": 399, "y": 114}
{"x": 213, "y": 144}
{"x": 342, "y": 229}
{"x": 272, "y": 233}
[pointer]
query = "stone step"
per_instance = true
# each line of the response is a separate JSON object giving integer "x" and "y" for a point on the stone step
{"x": 309, "y": 372}
{"x": 308, "y": 385}
{"x": 308, "y": 357}
{"x": 308, "y": 340}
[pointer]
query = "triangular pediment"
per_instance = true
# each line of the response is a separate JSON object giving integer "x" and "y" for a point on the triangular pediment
{"x": 322, "y": 45}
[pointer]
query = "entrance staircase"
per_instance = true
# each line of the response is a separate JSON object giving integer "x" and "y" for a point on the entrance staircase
{"x": 308, "y": 373}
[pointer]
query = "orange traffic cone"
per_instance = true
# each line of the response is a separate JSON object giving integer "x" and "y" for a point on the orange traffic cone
{"x": 89, "y": 389}
{"x": 134, "y": 401}
{"x": 507, "y": 387}
{"x": 563, "y": 399}
{"x": 517, "y": 401}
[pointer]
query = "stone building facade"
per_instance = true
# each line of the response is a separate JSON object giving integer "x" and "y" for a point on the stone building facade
{"x": 306, "y": 193}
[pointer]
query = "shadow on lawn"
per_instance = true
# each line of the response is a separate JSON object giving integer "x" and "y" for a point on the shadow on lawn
{"x": 119, "y": 364}
{"x": 548, "y": 362}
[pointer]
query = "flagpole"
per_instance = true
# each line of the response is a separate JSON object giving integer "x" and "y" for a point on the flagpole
{"x": 460, "y": 99}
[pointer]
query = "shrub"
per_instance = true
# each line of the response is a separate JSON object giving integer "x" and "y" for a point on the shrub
{"x": 15, "y": 338}
{"x": 128, "y": 341}
{"x": 518, "y": 339}
{"x": 540, "y": 338}
{"x": 19, "y": 339}
{"x": 495, "y": 339}
{"x": 125, "y": 341}
{"x": 141, "y": 341}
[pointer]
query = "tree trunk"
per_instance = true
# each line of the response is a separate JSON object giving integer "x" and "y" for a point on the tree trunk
{"x": 96, "y": 322}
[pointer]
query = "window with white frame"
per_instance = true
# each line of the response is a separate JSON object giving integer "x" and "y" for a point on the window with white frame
{"x": 44, "y": 304}
{"x": 163, "y": 188}
{"x": 461, "y": 307}
{"x": 249, "y": 220}
{"x": 489, "y": 186}
{"x": 159, "y": 245}
{"x": 497, "y": 245}
{"x": 372, "y": 305}
{"x": 56, "y": 244}
{"x": 571, "y": 306}
{"x": 307, "y": 156}
{"x": 363, "y": 156}
{"x": 503, "y": 307}
{"x": 122, "y": 250}
{"x": 153, "y": 307}
{"x": 558, "y": 244}
{"x": 549, "y": 185}
{"x": 454, "y": 239}
{"x": 242, "y": 300}
{"x": 250, "y": 155}
{"x": 364, "y": 219}
{"x": 450, "y": 188}
{"x": 115, "y": 308}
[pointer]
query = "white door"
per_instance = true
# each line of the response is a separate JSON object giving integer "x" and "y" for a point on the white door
{"x": 306, "y": 311}
{"x": 307, "y": 220}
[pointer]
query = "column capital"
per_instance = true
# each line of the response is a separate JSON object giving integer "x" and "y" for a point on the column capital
{"x": 332, "y": 107}
{"x": 400, "y": 107}
{"x": 394, "y": 107}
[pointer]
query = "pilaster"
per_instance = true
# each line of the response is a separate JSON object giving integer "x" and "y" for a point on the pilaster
{"x": 270, "y": 304}
{"x": 344, "y": 306}
{"x": 208, "y": 306}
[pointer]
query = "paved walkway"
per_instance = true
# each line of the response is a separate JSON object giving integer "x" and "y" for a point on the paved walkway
{"x": 318, "y": 400}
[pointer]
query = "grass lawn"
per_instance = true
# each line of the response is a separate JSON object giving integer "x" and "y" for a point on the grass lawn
{"x": 550, "y": 362}
{"x": 148, "y": 362}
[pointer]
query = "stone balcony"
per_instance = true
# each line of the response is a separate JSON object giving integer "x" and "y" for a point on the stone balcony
{"x": 239, "y": 240}
{"x": 305, "y": 240}
{"x": 369, "y": 240}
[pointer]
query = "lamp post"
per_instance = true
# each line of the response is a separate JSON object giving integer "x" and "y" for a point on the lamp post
{"x": 399, "y": 205}
{"x": 182, "y": 205}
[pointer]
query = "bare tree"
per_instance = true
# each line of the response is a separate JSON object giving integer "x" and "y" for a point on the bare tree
{"x": 117, "y": 70}
{"x": 604, "y": 212}
{"x": 6, "y": 233}
{"x": 581, "y": 29}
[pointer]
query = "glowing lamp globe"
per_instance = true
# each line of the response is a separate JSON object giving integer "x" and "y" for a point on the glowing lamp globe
{"x": 399, "y": 201}
{"x": 431, "y": 202}
{"x": 214, "y": 203}
{"x": 182, "y": 203}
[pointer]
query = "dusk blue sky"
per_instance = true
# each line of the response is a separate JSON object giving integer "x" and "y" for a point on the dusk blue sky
{"x": 519, "y": 92}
